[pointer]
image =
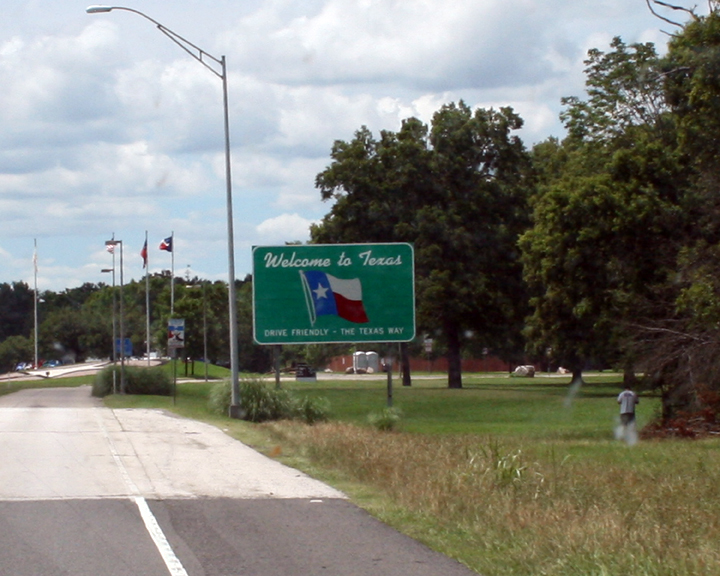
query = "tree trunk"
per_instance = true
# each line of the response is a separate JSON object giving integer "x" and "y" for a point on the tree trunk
{"x": 454, "y": 359}
{"x": 575, "y": 385}
{"x": 629, "y": 378}
{"x": 405, "y": 363}
{"x": 577, "y": 379}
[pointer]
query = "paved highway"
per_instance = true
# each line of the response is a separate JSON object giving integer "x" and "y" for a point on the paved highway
{"x": 85, "y": 490}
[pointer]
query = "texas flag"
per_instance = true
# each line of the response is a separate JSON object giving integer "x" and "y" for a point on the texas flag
{"x": 143, "y": 253}
{"x": 327, "y": 295}
{"x": 167, "y": 244}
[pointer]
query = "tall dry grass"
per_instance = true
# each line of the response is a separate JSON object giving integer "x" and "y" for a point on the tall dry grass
{"x": 518, "y": 507}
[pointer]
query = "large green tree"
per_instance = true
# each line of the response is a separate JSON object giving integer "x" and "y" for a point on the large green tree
{"x": 456, "y": 190}
{"x": 14, "y": 350}
{"x": 16, "y": 309}
{"x": 683, "y": 345}
{"x": 608, "y": 214}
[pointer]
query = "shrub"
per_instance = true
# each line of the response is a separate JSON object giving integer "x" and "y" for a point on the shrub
{"x": 312, "y": 410}
{"x": 260, "y": 403}
{"x": 150, "y": 381}
{"x": 220, "y": 398}
{"x": 386, "y": 420}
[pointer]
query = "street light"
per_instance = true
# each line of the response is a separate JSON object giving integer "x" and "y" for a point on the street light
{"x": 114, "y": 243}
{"x": 114, "y": 321}
{"x": 201, "y": 56}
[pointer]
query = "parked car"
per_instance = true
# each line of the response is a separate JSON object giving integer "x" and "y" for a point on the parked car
{"x": 303, "y": 372}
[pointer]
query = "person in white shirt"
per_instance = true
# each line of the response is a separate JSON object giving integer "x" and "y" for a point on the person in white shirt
{"x": 626, "y": 431}
{"x": 627, "y": 400}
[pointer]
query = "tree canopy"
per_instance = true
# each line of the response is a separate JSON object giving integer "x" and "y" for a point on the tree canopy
{"x": 622, "y": 255}
{"x": 457, "y": 190}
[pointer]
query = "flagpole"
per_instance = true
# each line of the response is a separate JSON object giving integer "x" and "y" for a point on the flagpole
{"x": 147, "y": 299}
{"x": 35, "y": 266}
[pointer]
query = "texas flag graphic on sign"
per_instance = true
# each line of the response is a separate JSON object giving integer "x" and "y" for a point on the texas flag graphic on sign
{"x": 330, "y": 296}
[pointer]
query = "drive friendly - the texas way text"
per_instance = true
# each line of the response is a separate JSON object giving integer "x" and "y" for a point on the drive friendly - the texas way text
{"x": 352, "y": 331}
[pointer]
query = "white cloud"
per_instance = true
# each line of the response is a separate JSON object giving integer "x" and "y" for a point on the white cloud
{"x": 284, "y": 228}
{"x": 107, "y": 126}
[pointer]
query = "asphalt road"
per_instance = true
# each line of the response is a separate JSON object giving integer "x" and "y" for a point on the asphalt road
{"x": 85, "y": 490}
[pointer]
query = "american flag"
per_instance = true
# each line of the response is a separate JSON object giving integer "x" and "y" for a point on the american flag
{"x": 110, "y": 248}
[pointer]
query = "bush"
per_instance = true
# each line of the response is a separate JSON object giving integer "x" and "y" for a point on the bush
{"x": 311, "y": 410}
{"x": 149, "y": 381}
{"x": 261, "y": 403}
{"x": 220, "y": 398}
{"x": 386, "y": 420}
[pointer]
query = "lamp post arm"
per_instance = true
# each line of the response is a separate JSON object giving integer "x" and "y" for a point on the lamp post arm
{"x": 200, "y": 55}
{"x": 195, "y": 51}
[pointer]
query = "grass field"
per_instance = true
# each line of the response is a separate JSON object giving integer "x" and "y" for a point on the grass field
{"x": 510, "y": 476}
{"x": 487, "y": 405}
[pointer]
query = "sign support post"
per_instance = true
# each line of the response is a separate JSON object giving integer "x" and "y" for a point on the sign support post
{"x": 389, "y": 363}
{"x": 176, "y": 340}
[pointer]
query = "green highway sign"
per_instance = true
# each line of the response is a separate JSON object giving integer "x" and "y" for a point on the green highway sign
{"x": 319, "y": 293}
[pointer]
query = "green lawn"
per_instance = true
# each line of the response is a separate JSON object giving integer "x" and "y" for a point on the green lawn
{"x": 539, "y": 407}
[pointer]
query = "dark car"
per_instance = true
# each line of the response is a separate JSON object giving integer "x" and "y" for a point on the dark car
{"x": 305, "y": 372}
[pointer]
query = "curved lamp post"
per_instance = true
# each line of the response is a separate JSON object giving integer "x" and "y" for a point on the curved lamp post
{"x": 206, "y": 60}
{"x": 114, "y": 321}
{"x": 115, "y": 243}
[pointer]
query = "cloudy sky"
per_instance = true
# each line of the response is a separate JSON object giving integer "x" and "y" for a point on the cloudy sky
{"x": 107, "y": 127}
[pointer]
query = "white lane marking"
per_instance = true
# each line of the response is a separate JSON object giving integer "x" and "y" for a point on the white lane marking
{"x": 129, "y": 484}
{"x": 172, "y": 562}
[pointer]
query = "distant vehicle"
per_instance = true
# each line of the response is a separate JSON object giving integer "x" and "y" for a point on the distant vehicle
{"x": 23, "y": 366}
{"x": 52, "y": 363}
{"x": 305, "y": 373}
